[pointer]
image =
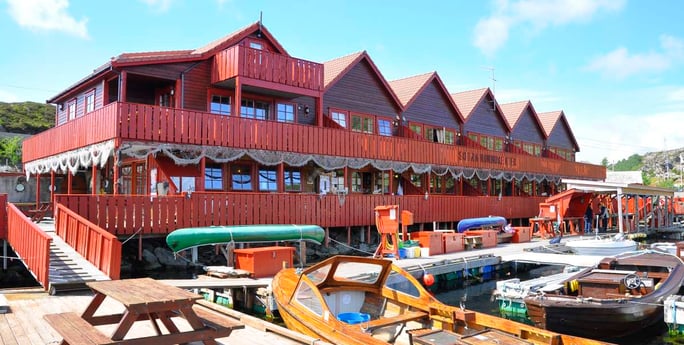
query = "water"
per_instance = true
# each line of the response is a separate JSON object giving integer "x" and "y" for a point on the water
{"x": 477, "y": 296}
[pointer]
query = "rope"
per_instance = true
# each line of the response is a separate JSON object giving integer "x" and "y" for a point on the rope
{"x": 350, "y": 247}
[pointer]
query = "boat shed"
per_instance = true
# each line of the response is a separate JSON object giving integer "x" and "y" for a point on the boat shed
{"x": 620, "y": 190}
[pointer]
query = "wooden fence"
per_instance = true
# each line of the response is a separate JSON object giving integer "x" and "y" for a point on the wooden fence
{"x": 96, "y": 245}
{"x": 30, "y": 243}
{"x": 124, "y": 215}
{"x": 3, "y": 217}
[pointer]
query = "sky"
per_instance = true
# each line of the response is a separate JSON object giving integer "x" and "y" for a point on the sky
{"x": 614, "y": 67}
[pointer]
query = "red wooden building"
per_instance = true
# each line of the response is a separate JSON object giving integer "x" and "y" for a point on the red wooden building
{"x": 241, "y": 132}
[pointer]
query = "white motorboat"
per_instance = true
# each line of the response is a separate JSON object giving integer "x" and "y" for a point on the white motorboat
{"x": 602, "y": 246}
{"x": 668, "y": 247}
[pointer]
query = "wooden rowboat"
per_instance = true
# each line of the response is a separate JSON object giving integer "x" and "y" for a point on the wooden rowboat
{"x": 368, "y": 301}
{"x": 622, "y": 295}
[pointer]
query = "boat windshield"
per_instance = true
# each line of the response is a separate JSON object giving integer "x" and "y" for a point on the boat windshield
{"x": 319, "y": 275}
{"x": 361, "y": 272}
{"x": 398, "y": 282}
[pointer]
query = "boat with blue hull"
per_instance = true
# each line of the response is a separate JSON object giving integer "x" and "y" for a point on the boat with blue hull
{"x": 479, "y": 223}
{"x": 186, "y": 238}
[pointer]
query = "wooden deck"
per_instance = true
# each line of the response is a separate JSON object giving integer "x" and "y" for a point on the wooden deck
{"x": 25, "y": 325}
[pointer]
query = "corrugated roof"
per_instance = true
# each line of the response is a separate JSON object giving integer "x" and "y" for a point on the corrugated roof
{"x": 334, "y": 68}
{"x": 466, "y": 101}
{"x": 407, "y": 88}
{"x": 153, "y": 56}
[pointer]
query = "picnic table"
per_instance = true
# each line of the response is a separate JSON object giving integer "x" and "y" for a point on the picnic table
{"x": 143, "y": 299}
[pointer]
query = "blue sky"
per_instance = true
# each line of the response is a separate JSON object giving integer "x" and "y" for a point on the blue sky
{"x": 615, "y": 67}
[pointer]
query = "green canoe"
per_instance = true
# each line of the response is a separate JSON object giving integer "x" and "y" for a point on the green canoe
{"x": 185, "y": 238}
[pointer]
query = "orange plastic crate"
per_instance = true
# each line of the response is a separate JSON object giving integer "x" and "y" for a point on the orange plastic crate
{"x": 429, "y": 239}
{"x": 264, "y": 261}
{"x": 522, "y": 234}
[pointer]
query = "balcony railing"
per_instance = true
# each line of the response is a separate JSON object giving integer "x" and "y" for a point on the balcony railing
{"x": 267, "y": 66}
{"x": 144, "y": 123}
{"x": 124, "y": 215}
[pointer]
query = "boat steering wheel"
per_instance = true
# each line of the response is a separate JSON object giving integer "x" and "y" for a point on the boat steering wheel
{"x": 632, "y": 281}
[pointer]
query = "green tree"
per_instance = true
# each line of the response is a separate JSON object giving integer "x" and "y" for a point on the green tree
{"x": 10, "y": 149}
{"x": 604, "y": 162}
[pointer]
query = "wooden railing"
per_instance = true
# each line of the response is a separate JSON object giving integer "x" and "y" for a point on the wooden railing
{"x": 96, "y": 245}
{"x": 267, "y": 66}
{"x": 97, "y": 126}
{"x": 124, "y": 215}
{"x": 139, "y": 122}
{"x": 3, "y": 216}
{"x": 31, "y": 243}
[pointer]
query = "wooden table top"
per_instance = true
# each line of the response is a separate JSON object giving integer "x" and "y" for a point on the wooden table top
{"x": 142, "y": 291}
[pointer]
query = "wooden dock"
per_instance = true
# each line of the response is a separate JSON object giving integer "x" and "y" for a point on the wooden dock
{"x": 69, "y": 271}
{"x": 25, "y": 325}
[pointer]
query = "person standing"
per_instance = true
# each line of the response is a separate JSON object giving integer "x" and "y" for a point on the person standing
{"x": 603, "y": 215}
{"x": 588, "y": 216}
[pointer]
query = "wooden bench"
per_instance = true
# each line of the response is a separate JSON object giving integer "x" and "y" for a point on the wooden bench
{"x": 39, "y": 213}
{"x": 222, "y": 324}
{"x": 76, "y": 331}
{"x": 401, "y": 318}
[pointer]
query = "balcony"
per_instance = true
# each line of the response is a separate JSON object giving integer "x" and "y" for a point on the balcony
{"x": 263, "y": 66}
{"x": 152, "y": 124}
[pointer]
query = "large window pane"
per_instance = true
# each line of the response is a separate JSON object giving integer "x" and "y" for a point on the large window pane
{"x": 268, "y": 180}
{"x": 241, "y": 177}
{"x": 213, "y": 178}
{"x": 293, "y": 180}
{"x": 220, "y": 105}
{"x": 285, "y": 112}
{"x": 384, "y": 128}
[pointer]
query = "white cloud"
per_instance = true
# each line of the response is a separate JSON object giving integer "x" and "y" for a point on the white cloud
{"x": 8, "y": 97}
{"x": 676, "y": 95}
{"x": 491, "y": 33}
{"x": 47, "y": 15}
{"x": 620, "y": 64}
{"x": 161, "y": 5}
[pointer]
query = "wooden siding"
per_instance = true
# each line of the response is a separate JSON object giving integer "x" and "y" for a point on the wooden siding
{"x": 560, "y": 136}
{"x": 485, "y": 119}
{"x": 137, "y": 122}
{"x": 62, "y": 115}
{"x": 527, "y": 128}
{"x": 197, "y": 80}
{"x": 360, "y": 90}
{"x": 161, "y": 71}
{"x": 124, "y": 215}
{"x": 432, "y": 107}
{"x": 268, "y": 67}
{"x": 305, "y": 101}
{"x": 96, "y": 245}
{"x": 30, "y": 242}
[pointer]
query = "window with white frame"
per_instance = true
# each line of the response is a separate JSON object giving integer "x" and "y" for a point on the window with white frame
{"x": 71, "y": 109}
{"x": 384, "y": 127}
{"x": 90, "y": 101}
{"x": 285, "y": 112}
{"x": 339, "y": 117}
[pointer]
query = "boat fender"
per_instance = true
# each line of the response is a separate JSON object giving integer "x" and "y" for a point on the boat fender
{"x": 573, "y": 286}
{"x": 428, "y": 279}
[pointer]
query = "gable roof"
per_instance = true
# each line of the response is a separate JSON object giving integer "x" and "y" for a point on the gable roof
{"x": 468, "y": 100}
{"x": 408, "y": 89}
{"x": 174, "y": 56}
{"x": 513, "y": 112}
{"x": 335, "y": 69}
{"x": 549, "y": 121}
{"x": 236, "y": 36}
